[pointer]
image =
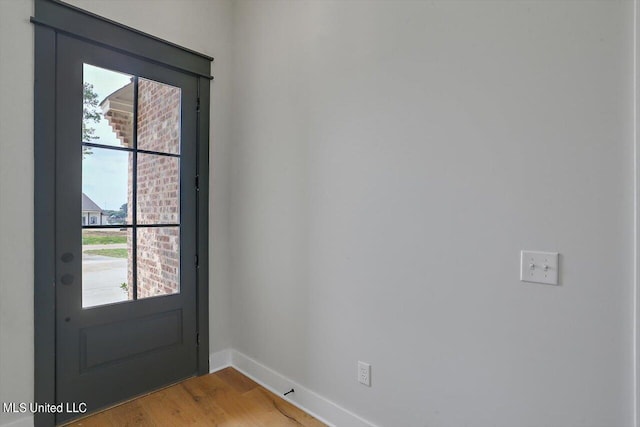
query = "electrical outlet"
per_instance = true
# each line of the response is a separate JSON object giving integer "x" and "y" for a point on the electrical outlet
{"x": 364, "y": 373}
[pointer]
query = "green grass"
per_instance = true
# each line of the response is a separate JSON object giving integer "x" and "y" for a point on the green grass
{"x": 103, "y": 240}
{"x": 114, "y": 253}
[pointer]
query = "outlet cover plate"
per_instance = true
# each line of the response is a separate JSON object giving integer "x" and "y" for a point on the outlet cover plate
{"x": 539, "y": 267}
{"x": 364, "y": 373}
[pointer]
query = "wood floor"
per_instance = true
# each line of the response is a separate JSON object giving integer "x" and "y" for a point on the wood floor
{"x": 225, "y": 398}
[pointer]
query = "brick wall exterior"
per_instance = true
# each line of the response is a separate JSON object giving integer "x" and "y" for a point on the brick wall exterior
{"x": 121, "y": 123}
{"x": 158, "y": 188}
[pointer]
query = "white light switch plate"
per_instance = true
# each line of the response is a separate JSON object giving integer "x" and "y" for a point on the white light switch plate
{"x": 539, "y": 267}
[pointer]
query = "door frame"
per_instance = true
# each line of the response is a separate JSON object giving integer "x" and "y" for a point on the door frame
{"x": 53, "y": 17}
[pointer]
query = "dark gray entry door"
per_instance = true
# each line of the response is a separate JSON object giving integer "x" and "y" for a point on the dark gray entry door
{"x": 125, "y": 235}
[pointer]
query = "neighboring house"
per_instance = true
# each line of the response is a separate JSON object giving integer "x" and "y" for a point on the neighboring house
{"x": 92, "y": 214}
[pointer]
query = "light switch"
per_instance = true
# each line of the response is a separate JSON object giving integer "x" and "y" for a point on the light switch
{"x": 539, "y": 267}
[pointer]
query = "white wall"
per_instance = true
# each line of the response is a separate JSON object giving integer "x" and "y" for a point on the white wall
{"x": 381, "y": 167}
{"x": 389, "y": 162}
{"x": 202, "y": 26}
{"x": 16, "y": 203}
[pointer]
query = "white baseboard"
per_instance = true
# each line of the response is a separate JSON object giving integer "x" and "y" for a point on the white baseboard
{"x": 219, "y": 360}
{"x": 309, "y": 401}
{"x": 21, "y": 422}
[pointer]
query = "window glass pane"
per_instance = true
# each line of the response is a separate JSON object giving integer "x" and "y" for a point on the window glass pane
{"x": 106, "y": 266}
{"x": 158, "y": 261}
{"x": 107, "y": 107}
{"x": 106, "y": 187}
{"x": 158, "y": 117}
{"x": 158, "y": 189}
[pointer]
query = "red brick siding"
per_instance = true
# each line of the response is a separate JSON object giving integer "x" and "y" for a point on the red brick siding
{"x": 122, "y": 125}
{"x": 158, "y": 191}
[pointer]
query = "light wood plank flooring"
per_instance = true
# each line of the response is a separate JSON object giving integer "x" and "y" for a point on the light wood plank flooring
{"x": 225, "y": 399}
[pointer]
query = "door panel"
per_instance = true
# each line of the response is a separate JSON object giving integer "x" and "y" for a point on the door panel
{"x": 108, "y": 350}
{"x": 144, "y": 335}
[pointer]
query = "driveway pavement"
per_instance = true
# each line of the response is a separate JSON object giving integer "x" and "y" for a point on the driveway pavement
{"x": 102, "y": 277}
